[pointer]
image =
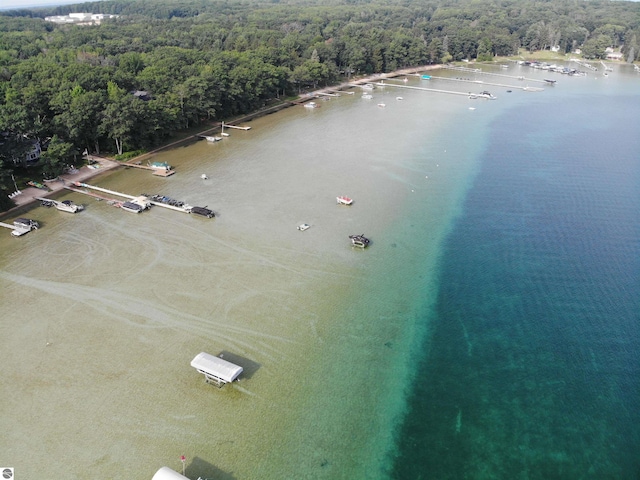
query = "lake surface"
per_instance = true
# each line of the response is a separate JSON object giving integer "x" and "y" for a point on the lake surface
{"x": 489, "y": 331}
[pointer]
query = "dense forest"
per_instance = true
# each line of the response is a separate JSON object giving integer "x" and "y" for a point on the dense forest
{"x": 69, "y": 88}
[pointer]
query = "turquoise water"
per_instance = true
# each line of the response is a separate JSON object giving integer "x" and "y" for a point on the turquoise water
{"x": 532, "y": 370}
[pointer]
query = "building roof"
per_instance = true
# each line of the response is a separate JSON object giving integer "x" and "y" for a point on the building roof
{"x": 165, "y": 473}
{"x": 216, "y": 367}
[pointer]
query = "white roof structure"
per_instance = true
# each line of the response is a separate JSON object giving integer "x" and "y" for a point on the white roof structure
{"x": 215, "y": 368}
{"x": 165, "y": 473}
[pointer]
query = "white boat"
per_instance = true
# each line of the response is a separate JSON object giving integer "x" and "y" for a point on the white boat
{"x": 381, "y": 105}
{"x": 368, "y": 86}
{"x": 311, "y": 105}
{"x": 303, "y": 227}
{"x": 367, "y": 96}
{"x": 399, "y": 98}
{"x": 486, "y": 95}
{"x": 344, "y": 200}
{"x": 68, "y": 206}
{"x": 23, "y": 225}
{"x": 211, "y": 138}
{"x": 204, "y": 176}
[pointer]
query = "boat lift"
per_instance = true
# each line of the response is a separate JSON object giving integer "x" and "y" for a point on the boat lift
{"x": 216, "y": 370}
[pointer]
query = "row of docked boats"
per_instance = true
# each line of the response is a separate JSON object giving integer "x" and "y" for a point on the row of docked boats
{"x": 159, "y": 199}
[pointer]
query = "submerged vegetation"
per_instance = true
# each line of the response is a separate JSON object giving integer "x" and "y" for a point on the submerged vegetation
{"x": 160, "y": 67}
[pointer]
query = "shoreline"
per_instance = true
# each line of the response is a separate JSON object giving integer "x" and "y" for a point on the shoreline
{"x": 28, "y": 195}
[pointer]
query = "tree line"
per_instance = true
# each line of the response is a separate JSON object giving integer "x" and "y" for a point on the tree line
{"x": 70, "y": 87}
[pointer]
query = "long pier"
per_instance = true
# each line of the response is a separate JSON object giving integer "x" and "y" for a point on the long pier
{"x": 490, "y": 74}
{"x": 185, "y": 209}
{"x": 453, "y": 92}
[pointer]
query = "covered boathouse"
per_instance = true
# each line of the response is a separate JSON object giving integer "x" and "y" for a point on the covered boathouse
{"x": 165, "y": 473}
{"x": 215, "y": 369}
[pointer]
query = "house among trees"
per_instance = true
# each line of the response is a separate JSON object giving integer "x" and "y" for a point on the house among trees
{"x": 80, "y": 18}
{"x": 612, "y": 55}
{"x": 141, "y": 94}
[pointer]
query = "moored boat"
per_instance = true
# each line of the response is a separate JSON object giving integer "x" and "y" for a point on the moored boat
{"x": 22, "y": 226}
{"x": 136, "y": 205}
{"x": 303, "y": 227}
{"x": 311, "y": 105}
{"x": 359, "y": 241}
{"x": 131, "y": 207}
{"x": 344, "y": 200}
{"x": 486, "y": 95}
{"x": 203, "y": 211}
{"x": 26, "y": 223}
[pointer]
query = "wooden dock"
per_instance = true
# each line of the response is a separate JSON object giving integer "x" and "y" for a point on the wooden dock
{"x": 475, "y": 82}
{"x": 186, "y": 209}
{"x": 110, "y": 201}
{"x": 6, "y": 225}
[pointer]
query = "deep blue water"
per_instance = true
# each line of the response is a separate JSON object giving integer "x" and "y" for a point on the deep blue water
{"x": 532, "y": 370}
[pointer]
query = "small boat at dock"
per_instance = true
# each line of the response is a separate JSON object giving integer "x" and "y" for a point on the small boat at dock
{"x": 68, "y": 206}
{"x": 22, "y": 226}
{"x": 344, "y": 200}
{"x": 64, "y": 206}
{"x": 203, "y": 211}
{"x": 311, "y": 105}
{"x": 136, "y": 205}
